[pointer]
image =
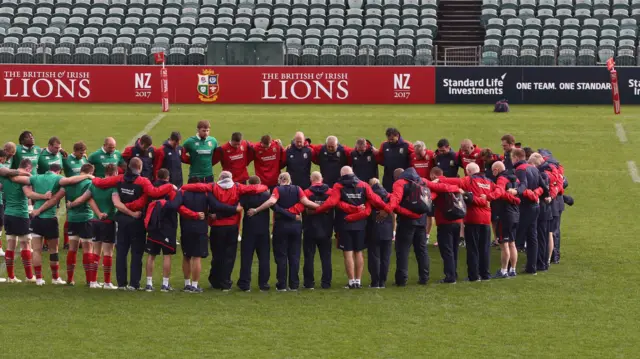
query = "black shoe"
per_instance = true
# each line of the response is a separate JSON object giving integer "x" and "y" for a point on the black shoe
{"x": 472, "y": 280}
{"x": 401, "y": 284}
{"x": 555, "y": 261}
{"x": 382, "y": 285}
{"x": 446, "y": 281}
{"x": 265, "y": 288}
{"x": 309, "y": 287}
{"x": 484, "y": 279}
{"x": 349, "y": 286}
{"x": 326, "y": 286}
{"x": 358, "y": 286}
{"x": 66, "y": 246}
{"x": 423, "y": 282}
{"x": 531, "y": 273}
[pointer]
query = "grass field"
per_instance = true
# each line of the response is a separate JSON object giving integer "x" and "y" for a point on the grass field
{"x": 587, "y": 306}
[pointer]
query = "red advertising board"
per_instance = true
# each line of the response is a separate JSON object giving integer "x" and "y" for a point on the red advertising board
{"x": 219, "y": 84}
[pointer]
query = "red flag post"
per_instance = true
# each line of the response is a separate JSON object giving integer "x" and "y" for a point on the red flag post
{"x": 164, "y": 81}
{"x": 615, "y": 93}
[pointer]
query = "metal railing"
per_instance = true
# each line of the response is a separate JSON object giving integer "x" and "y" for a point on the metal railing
{"x": 462, "y": 56}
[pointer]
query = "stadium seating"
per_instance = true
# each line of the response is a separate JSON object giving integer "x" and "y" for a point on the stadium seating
{"x": 560, "y": 32}
{"x": 314, "y": 32}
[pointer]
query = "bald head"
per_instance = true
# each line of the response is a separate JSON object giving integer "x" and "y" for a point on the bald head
{"x": 397, "y": 173}
{"x": 298, "y": 139}
{"x": 472, "y": 168}
{"x": 466, "y": 146}
{"x": 109, "y": 145}
{"x": 346, "y": 170}
{"x": 536, "y": 159}
{"x": 316, "y": 177}
{"x": 498, "y": 165}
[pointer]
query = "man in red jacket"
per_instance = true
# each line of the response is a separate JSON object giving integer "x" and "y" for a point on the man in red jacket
{"x": 267, "y": 156}
{"x": 470, "y": 153}
{"x": 224, "y": 231}
{"x": 477, "y": 222}
{"x": 234, "y": 156}
{"x": 422, "y": 161}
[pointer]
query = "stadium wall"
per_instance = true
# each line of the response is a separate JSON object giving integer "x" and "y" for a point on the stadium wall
{"x": 316, "y": 85}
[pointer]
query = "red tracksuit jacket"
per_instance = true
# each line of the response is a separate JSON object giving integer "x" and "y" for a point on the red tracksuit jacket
{"x": 266, "y": 162}
{"x": 147, "y": 187}
{"x": 398, "y": 195}
{"x": 229, "y": 196}
{"x": 473, "y": 157}
{"x": 234, "y": 160}
{"x": 424, "y": 165}
{"x": 479, "y": 211}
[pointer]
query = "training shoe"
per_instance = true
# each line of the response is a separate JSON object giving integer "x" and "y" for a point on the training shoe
{"x": 281, "y": 290}
{"x": 31, "y": 280}
{"x": 226, "y": 290}
{"x": 71, "y": 284}
{"x": 512, "y": 274}
{"x": 463, "y": 243}
{"x": 109, "y": 286}
{"x": 309, "y": 287}
{"x": 197, "y": 290}
{"x": 444, "y": 281}
{"x": 292, "y": 289}
{"x": 148, "y": 288}
{"x": 14, "y": 280}
{"x": 382, "y": 286}
{"x": 130, "y": 288}
{"x": 65, "y": 247}
{"x": 350, "y": 286}
{"x": 500, "y": 275}
{"x": 472, "y": 280}
{"x": 3, "y": 280}
{"x": 40, "y": 282}
{"x": 1, "y": 253}
{"x": 94, "y": 285}
{"x": 246, "y": 290}
{"x": 187, "y": 289}
{"x": 166, "y": 288}
{"x": 58, "y": 281}
{"x": 373, "y": 287}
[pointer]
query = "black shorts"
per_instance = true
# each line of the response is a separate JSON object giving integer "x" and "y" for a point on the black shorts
{"x": 194, "y": 244}
{"x": 156, "y": 244}
{"x": 208, "y": 179}
{"x": 1, "y": 215}
{"x": 104, "y": 232}
{"x": 45, "y": 227}
{"x": 82, "y": 230}
{"x": 352, "y": 241}
{"x": 554, "y": 224}
{"x": 506, "y": 231}
{"x": 16, "y": 226}
{"x": 494, "y": 214}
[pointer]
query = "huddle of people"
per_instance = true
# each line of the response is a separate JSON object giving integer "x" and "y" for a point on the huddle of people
{"x": 518, "y": 195}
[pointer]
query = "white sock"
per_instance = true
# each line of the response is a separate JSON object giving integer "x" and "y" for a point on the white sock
{"x": 149, "y": 280}
{"x": 165, "y": 282}
{"x": 428, "y": 236}
{"x": 194, "y": 284}
{"x": 187, "y": 282}
{"x": 352, "y": 281}
{"x": 357, "y": 281}
{"x": 512, "y": 270}
{"x": 503, "y": 271}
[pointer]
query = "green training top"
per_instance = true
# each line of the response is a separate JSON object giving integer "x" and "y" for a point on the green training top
{"x": 31, "y": 153}
{"x": 83, "y": 212}
{"x": 104, "y": 201}
{"x": 42, "y": 184}
{"x": 46, "y": 159}
{"x": 17, "y": 203}
{"x": 200, "y": 151}
{"x": 100, "y": 159}
{"x": 72, "y": 165}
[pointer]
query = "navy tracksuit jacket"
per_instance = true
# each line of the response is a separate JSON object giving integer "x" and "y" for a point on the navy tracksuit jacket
{"x": 331, "y": 163}
{"x": 394, "y": 155}
{"x": 529, "y": 178}
{"x": 318, "y": 229}
{"x": 287, "y": 238}
{"x": 255, "y": 238}
{"x": 298, "y": 163}
{"x": 171, "y": 161}
{"x": 448, "y": 163}
{"x": 365, "y": 165}
{"x": 380, "y": 235}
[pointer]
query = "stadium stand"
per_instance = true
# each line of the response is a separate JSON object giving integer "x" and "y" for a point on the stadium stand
{"x": 562, "y": 32}
{"x": 238, "y": 32}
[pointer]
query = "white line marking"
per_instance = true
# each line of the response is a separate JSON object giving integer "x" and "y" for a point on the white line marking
{"x": 620, "y": 132}
{"x": 156, "y": 120}
{"x": 633, "y": 171}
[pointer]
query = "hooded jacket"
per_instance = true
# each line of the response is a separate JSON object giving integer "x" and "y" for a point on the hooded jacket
{"x": 383, "y": 230}
{"x": 478, "y": 212}
{"x": 168, "y": 157}
{"x": 318, "y": 225}
{"x": 506, "y": 206}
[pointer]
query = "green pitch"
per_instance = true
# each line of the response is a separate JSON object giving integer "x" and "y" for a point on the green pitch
{"x": 587, "y": 306}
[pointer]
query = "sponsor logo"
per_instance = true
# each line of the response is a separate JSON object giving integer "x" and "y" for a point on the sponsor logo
{"x": 304, "y": 155}
{"x": 208, "y": 86}
{"x": 368, "y": 158}
{"x": 483, "y": 185}
{"x": 471, "y": 87}
{"x": 47, "y": 84}
{"x": 635, "y": 85}
{"x": 401, "y": 150}
{"x": 236, "y": 157}
{"x": 142, "y": 85}
{"x": 563, "y": 86}
{"x": 401, "y": 86}
{"x": 269, "y": 158}
{"x": 305, "y": 85}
